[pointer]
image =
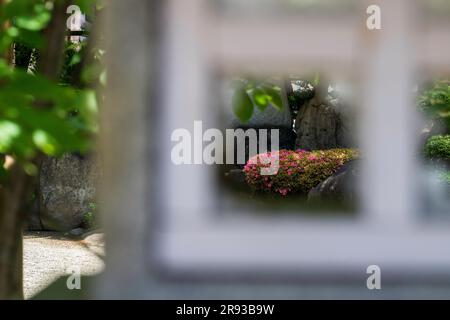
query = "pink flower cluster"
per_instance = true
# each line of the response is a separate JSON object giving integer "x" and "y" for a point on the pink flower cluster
{"x": 299, "y": 170}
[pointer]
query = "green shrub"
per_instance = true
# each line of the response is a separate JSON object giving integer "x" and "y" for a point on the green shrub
{"x": 438, "y": 147}
{"x": 90, "y": 217}
{"x": 444, "y": 176}
{"x": 435, "y": 102}
{"x": 72, "y": 56}
{"x": 299, "y": 171}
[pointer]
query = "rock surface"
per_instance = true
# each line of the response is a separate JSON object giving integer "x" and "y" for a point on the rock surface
{"x": 34, "y": 219}
{"x": 236, "y": 179}
{"x": 323, "y": 124}
{"x": 341, "y": 186}
{"x": 67, "y": 188}
{"x": 77, "y": 232}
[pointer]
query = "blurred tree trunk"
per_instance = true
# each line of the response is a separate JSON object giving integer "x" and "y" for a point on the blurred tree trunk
{"x": 14, "y": 193}
{"x": 11, "y": 222}
{"x": 11, "y": 279}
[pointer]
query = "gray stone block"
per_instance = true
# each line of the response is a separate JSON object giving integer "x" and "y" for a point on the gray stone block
{"x": 67, "y": 188}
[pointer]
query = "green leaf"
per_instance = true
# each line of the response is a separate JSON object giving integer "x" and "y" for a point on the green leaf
{"x": 13, "y": 32}
{"x": 274, "y": 93}
{"x": 45, "y": 142}
{"x": 17, "y": 8}
{"x": 9, "y": 131}
{"x": 76, "y": 59}
{"x": 33, "y": 23}
{"x": 30, "y": 168}
{"x": 88, "y": 109}
{"x": 91, "y": 73}
{"x": 87, "y": 6}
{"x": 242, "y": 105}
{"x": 261, "y": 99}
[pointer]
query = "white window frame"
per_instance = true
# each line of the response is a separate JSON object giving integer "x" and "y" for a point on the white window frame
{"x": 388, "y": 231}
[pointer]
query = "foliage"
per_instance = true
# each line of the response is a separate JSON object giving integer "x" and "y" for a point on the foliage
{"x": 438, "y": 147}
{"x": 444, "y": 176}
{"x": 72, "y": 56}
{"x": 249, "y": 93}
{"x": 35, "y": 115}
{"x": 28, "y": 18}
{"x": 95, "y": 73}
{"x": 435, "y": 102}
{"x": 303, "y": 92}
{"x": 299, "y": 171}
{"x": 38, "y": 115}
{"x": 90, "y": 217}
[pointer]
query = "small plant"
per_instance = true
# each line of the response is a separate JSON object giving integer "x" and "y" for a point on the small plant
{"x": 299, "y": 171}
{"x": 438, "y": 147}
{"x": 444, "y": 176}
{"x": 90, "y": 217}
{"x": 72, "y": 57}
{"x": 435, "y": 102}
